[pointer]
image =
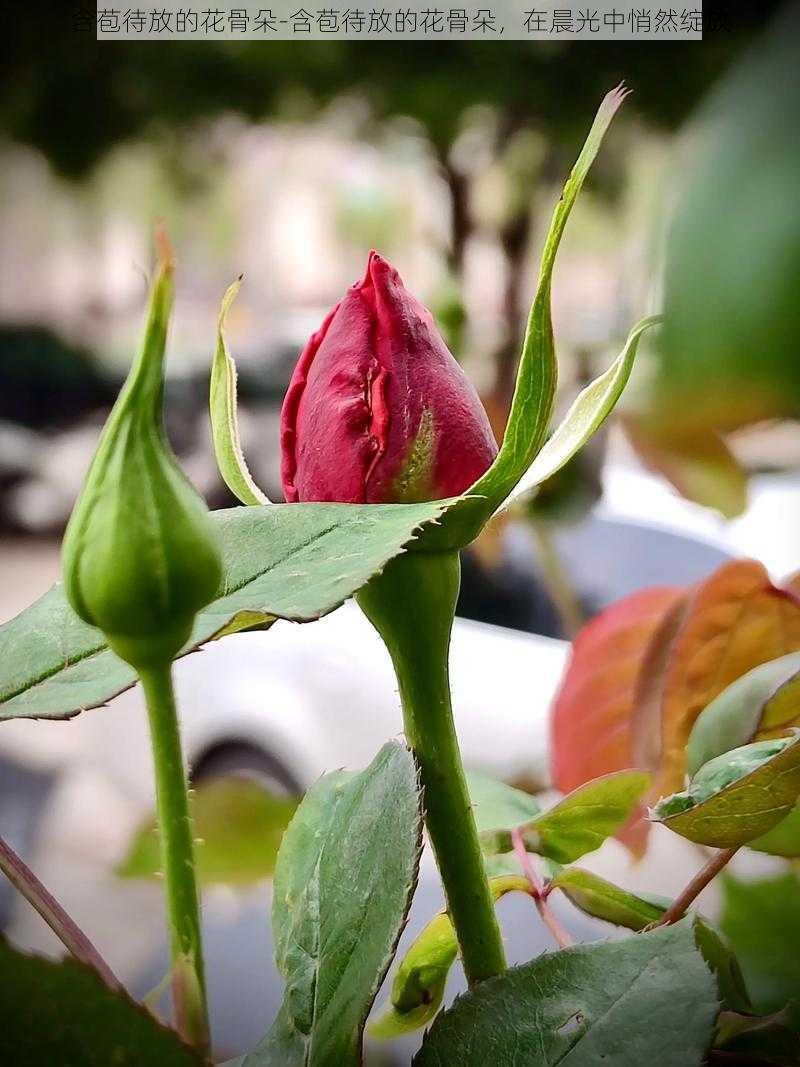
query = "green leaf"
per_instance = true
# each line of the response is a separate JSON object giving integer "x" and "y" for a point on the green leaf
{"x": 761, "y": 921}
{"x": 761, "y": 1039}
{"x": 239, "y": 826}
{"x": 343, "y": 884}
{"x": 532, "y": 404}
{"x": 224, "y": 417}
{"x": 293, "y": 561}
{"x": 580, "y": 822}
{"x": 587, "y": 414}
{"x": 724, "y": 965}
{"x": 61, "y": 1013}
{"x": 783, "y": 839}
{"x": 724, "y": 808}
{"x": 419, "y": 983}
{"x": 418, "y": 987}
{"x": 649, "y": 999}
{"x": 732, "y": 320}
{"x": 604, "y": 900}
{"x": 496, "y": 805}
{"x": 766, "y": 698}
{"x": 498, "y": 865}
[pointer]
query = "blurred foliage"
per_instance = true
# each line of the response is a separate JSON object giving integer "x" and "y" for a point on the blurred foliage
{"x": 732, "y": 316}
{"x": 697, "y": 462}
{"x": 728, "y": 352}
{"x": 761, "y": 920}
{"x": 447, "y": 306}
{"x": 569, "y": 495}
{"x": 74, "y": 98}
{"x": 239, "y": 825}
{"x": 45, "y": 381}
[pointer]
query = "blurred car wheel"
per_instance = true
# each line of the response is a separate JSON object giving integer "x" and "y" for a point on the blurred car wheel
{"x": 239, "y": 758}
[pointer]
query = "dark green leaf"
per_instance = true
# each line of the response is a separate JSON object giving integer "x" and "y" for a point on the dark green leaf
{"x": 62, "y": 1015}
{"x": 719, "y": 957}
{"x": 754, "y": 1040}
{"x": 580, "y": 822}
{"x": 761, "y": 920}
{"x": 647, "y": 1000}
{"x": 724, "y": 808}
{"x": 766, "y": 698}
{"x": 293, "y": 561}
{"x": 603, "y": 900}
{"x": 239, "y": 826}
{"x": 346, "y": 871}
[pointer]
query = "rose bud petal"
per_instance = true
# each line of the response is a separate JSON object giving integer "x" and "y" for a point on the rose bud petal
{"x": 378, "y": 410}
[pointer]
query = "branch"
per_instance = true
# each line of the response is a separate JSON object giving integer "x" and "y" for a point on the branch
{"x": 74, "y": 939}
{"x": 706, "y": 874}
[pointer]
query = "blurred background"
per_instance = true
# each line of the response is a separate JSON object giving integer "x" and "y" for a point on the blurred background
{"x": 287, "y": 162}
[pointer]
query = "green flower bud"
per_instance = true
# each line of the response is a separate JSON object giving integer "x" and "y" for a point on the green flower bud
{"x": 140, "y": 554}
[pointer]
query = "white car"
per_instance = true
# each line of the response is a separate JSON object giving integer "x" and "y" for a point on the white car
{"x": 290, "y": 703}
{"x": 298, "y": 700}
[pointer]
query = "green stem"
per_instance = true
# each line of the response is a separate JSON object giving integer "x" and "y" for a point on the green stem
{"x": 412, "y": 604}
{"x": 177, "y": 855}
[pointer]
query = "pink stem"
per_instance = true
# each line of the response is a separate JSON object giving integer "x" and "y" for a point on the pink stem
{"x": 562, "y": 938}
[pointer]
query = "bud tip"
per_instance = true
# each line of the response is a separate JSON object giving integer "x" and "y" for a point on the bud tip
{"x": 164, "y": 251}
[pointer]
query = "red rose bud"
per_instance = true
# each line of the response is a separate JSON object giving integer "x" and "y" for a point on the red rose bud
{"x": 378, "y": 410}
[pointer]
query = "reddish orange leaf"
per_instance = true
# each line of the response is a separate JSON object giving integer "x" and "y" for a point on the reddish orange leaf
{"x": 735, "y": 620}
{"x": 792, "y": 583}
{"x": 591, "y": 718}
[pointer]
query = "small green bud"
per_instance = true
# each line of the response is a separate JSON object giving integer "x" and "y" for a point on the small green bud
{"x": 140, "y": 554}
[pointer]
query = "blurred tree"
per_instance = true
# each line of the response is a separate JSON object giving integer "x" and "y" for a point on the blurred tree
{"x": 46, "y": 382}
{"x": 74, "y": 98}
{"x": 727, "y": 357}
